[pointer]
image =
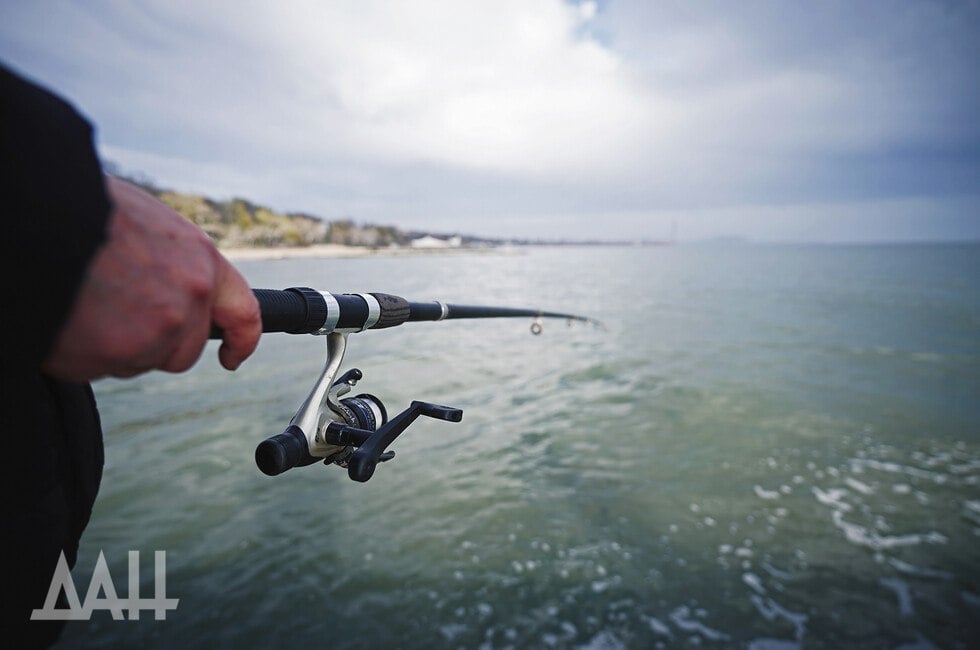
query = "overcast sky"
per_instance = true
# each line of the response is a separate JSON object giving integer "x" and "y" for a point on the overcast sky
{"x": 829, "y": 121}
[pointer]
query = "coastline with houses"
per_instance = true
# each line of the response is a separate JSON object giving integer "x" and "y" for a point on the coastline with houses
{"x": 244, "y": 230}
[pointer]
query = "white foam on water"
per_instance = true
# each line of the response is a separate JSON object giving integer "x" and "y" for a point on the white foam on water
{"x": 450, "y": 631}
{"x": 964, "y": 468}
{"x": 603, "y": 641}
{"x": 832, "y": 498}
{"x": 680, "y": 617}
{"x": 762, "y": 493}
{"x": 776, "y": 573}
{"x": 754, "y": 582}
{"x": 881, "y": 524}
{"x": 902, "y": 591}
{"x": 658, "y": 627}
{"x": 895, "y": 468}
{"x": 972, "y": 511}
{"x": 913, "y": 570}
{"x": 858, "y": 486}
{"x": 861, "y": 536}
{"x": 971, "y": 599}
{"x": 771, "y": 610}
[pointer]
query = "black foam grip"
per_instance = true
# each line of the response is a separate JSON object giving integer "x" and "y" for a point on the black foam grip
{"x": 394, "y": 310}
{"x": 297, "y": 310}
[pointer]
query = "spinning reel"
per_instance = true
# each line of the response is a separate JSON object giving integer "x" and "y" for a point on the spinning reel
{"x": 354, "y": 432}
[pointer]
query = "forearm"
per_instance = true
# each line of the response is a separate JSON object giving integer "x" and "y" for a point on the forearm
{"x": 56, "y": 210}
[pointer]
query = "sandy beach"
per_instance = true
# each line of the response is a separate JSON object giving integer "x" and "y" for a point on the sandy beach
{"x": 289, "y": 252}
{"x": 338, "y": 250}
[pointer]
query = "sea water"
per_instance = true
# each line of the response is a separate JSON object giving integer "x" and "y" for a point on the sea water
{"x": 765, "y": 447}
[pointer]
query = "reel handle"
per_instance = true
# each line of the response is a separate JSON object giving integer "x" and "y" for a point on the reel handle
{"x": 372, "y": 444}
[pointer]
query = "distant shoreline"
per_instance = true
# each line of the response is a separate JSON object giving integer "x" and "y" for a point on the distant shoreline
{"x": 245, "y": 254}
{"x": 339, "y": 251}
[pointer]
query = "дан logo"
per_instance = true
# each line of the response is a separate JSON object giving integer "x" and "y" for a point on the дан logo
{"x": 102, "y": 582}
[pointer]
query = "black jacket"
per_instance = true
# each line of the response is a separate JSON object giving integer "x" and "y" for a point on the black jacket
{"x": 55, "y": 211}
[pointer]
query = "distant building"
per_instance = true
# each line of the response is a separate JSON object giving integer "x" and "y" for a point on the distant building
{"x": 428, "y": 241}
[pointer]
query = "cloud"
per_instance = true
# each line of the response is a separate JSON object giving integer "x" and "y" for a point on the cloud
{"x": 500, "y": 111}
{"x": 509, "y": 87}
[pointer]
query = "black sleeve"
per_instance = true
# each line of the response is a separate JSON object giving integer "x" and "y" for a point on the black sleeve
{"x": 55, "y": 209}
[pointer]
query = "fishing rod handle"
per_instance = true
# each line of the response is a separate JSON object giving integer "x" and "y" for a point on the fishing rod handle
{"x": 301, "y": 310}
{"x": 296, "y": 310}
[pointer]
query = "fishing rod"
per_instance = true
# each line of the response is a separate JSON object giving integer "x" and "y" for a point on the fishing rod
{"x": 355, "y": 432}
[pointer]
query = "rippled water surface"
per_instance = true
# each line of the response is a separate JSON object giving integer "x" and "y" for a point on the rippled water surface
{"x": 767, "y": 447}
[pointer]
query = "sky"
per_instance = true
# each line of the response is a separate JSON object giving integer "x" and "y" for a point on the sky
{"x": 619, "y": 120}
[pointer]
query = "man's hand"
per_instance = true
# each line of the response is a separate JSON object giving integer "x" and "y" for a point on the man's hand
{"x": 150, "y": 296}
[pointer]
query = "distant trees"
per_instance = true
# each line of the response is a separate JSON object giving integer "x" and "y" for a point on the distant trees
{"x": 348, "y": 233}
{"x": 241, "y": 223}
{"x": 238, "y": 222}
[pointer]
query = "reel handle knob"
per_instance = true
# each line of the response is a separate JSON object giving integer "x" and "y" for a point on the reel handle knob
{"x": 365, "y": 459}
